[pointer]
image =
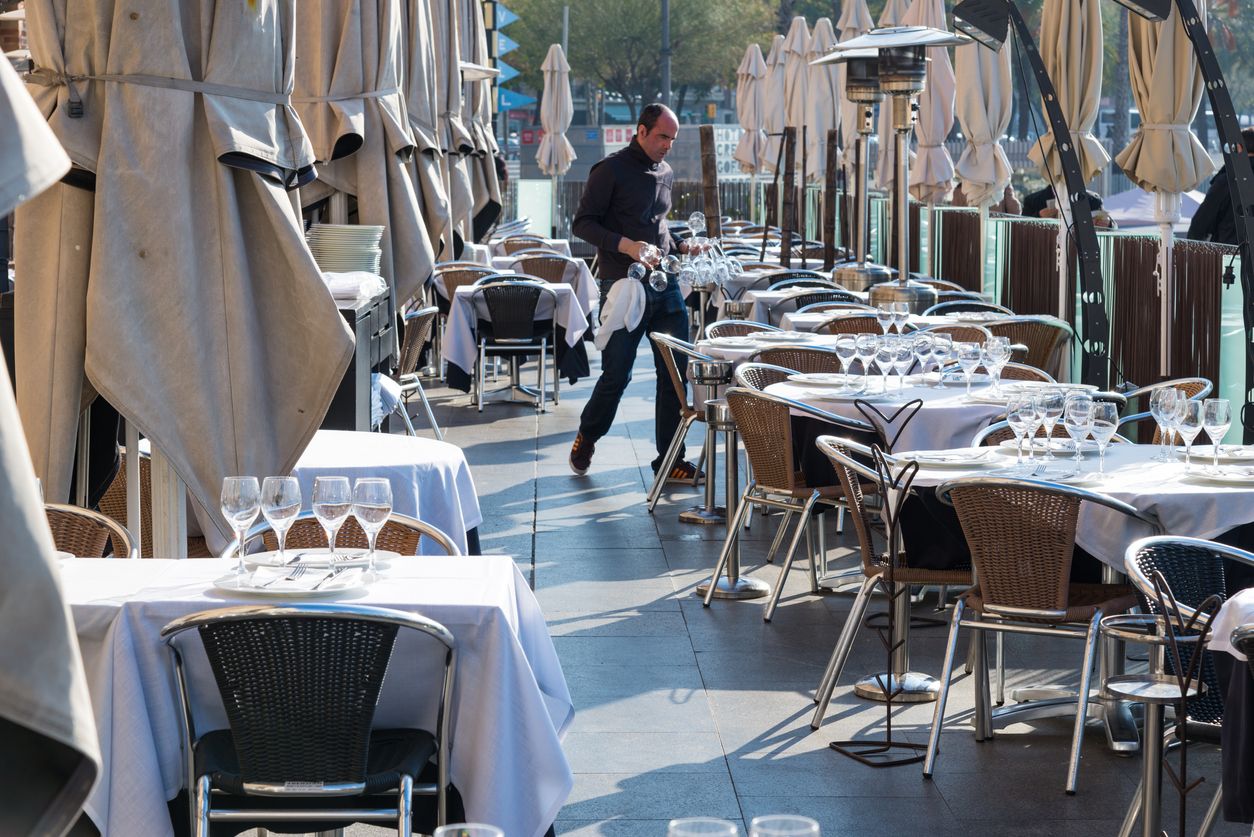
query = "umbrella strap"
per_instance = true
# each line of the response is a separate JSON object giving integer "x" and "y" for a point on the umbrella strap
{"x": 46, "y": 77}
{"x": 1161, "y": 126}
{"x": 342, "y": 97}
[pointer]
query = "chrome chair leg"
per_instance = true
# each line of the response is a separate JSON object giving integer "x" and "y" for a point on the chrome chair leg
{"x": 779, "y": 535}
{"x": 999, "y": 660}
{"x": 426, "y": 406}
{"x": 983, "y": 716}
{"x": 404, "y": 414}
{"x": 1212, "y": 812}
{"x": 1134, "y": 809}
{"x": 840, "y": 654}
{"x": 819, "y": 557}
{"x": 541, "y": 375}
{"x": 200, "y": 808}
{"x": 802, "y": 529}
{"x": 404, "y": 807}
{"x": 1082, "y": 705}
{"x": 729, "y": 543}
{"x": 668, "y": 461}
{"x": 483, "y": 356}
{"x": 947, "y": 673}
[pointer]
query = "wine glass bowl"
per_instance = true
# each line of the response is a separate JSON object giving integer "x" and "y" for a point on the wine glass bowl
{"x": 332, "y": 504}
{"x": 240, "y": 504}
{"x": 1104, "y": 424}
{"x": 1188, "y": 418}
{"x": 372, "y": 506}
{"x": 1216, "y": 419}
{"x": 658, "y": 280}
{"x": 280, "y": 504}
{"x": 968, "y": 355}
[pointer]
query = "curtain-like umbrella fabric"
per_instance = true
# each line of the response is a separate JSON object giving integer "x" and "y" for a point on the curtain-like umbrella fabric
{"x": 893, "y": 15}
{"x": 855, "y": 20}
{"x": 985, "y": 97}
{"x": 932, "y": 172}
{"x": 477, "y": 103}
{"x": 1071, "y": 47}
{"x": 348, "y": 84}
{"x": 750, "y": 82}
{"x": 47, "y": 728}
{"x": 557, "y": 108}
{"x": 1164, "y": 154}
{"x": 455, "y": 140}
{"x": 189, "y": 298}
{"x": 796, "y": 80}
{"x": 824, "y": 87}
{"x": 773, "y": 103}
{"x": 422, "y": 107}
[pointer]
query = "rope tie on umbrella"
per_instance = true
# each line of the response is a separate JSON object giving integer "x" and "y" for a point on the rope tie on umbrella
{"x": 46, "y": 77}
{"x": 345, "y": 97}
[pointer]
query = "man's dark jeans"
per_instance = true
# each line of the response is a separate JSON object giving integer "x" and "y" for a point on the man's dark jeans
{"x": 664, "y": 311}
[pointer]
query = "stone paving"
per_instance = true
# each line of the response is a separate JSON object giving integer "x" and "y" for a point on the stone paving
{"x": 685, "y": 711}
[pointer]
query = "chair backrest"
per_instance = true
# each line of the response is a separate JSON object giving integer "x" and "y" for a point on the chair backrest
{"x": 759, "y": 376}
{"x": 86, "y": 533}
{"x": 1023, "y": 372}
{"x": 802, "y": 300}
{"x": 852, "y": 474}
{"x": 807, "y": 359}
{"x": 959, "y": 306}
{"x": 757, "y": 265}
{"x": 550, "y": 268}
{"x": 1194, "y": 388}
{"x": 512, "y": 307}
{"x": 457, "y": 277}
{"x": 806, "y": 282}
{"x": 669, "y": 347}
{"x": 957, "y": 296}
{"x": 850, "y": 324}
{"x": 819, "y": 307}
{"x": 515, "y": 243}
{"x": 300, "y": 685}
{"x": 113, "y": 502}
{"x": 765, "y": 427}
{"x": 418, "y": 327}
{"x": 961, "y": 333}
{"x": 736, "y": 328}
{"x": 1043, "y": 336}
{"x": 943, "y": 285}
{"x": 788, "y": 275}
{"x": 402, "y": 534}
{"x": 999, "y": 431}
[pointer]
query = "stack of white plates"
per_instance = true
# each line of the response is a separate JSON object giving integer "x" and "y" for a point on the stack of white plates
{"x": 342, "y": 248}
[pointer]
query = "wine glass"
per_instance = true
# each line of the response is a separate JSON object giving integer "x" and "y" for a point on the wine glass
{"x": 372, "y": 505}
{"x": 884, "y": 356}
{"x": 1035, "y": 419}
{"x": 903, "y": 358}
{"x": 921, "y": 344}
{"x": 866, "y": 346}
{"x": 1188, "y": 425}
{"x": 901, "y": 313}
{"x": 637, "y": 272}
{"x": 968, "y": 355}
{"x": 332, "y": 503}
{"x": 995, "y": 355}
{"x": 696, "y": 223}
{"x": 280, "y": 503}
{"x": 846, "y": 351}
{"x": 701, "y": 827}
{"x": 1078, "y": 421}
{"x": 658, "y": 280}
{"x": 783, "y": 825}
{"x": 1216, "y": 418}
{"x": 671, "y": 264}
{"x": 942, "y": 352}
{"x": 1105, "y": 423}
{"x": 1162, "y": 403}
{"x": 1051, "y": 404}
{"x": 1019, "y": 417}
{"x": 650, "y": 255}
{"x": 241, "y": 503}
{"x": 884, "y": 317}
{"x": 468, "y": 829}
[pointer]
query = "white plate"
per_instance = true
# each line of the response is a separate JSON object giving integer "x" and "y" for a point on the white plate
{"x": 1058, "y": 446}
{"x": 782, "y": 337}
{"x": 822, "y": 379}
{"x": 836, "y": 395}
{"x": 731, "y": 342}
{"x": 318, "y": 558}
{"x": 249, "y": 584}
{"x": 1224, "y": 476}
{"x": 957, "y": 459}
{"x": 1228, "y": 454}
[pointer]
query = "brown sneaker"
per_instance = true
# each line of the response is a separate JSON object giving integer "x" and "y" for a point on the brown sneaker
{"x": 683, "y": 472}
{"x": 581, "y": 455}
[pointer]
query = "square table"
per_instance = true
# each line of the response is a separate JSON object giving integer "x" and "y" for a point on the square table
{"x": 511, "y": 705}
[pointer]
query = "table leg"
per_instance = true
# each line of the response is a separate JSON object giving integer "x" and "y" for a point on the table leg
{"x": 1151, "y": 772}
{"x": 914, "y": 686}
{"x": 710, "y": 513}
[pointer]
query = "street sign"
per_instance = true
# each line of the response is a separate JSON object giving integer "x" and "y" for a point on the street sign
{"x": 504, "y": 17}
{"x": 505, "y": 44}
{"x": 509, "y": 100}
{"x": 507, "y": 72}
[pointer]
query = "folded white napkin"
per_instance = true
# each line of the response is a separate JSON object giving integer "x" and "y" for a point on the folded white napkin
{"x": 385, "y": 397}
{"x": 623, "y": 308}
{"x": 356, "y": 284}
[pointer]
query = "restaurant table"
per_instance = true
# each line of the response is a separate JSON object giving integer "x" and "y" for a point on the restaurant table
{"x": 578, "y": 276}
{"x": 511, "y": 703}
{"x": 560, "y": 245}
{"x": 770, "y": 306}
{"x": 430, "y": 480}
{"x": 1237, "y": 735}
{"x": 477, "y": 253}
{"x": 461, "y": 348}
{"x": 809, "y": 321}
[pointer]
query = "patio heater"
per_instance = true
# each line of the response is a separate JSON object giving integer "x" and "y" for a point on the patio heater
{"x": 902, "y": 69}
{"x": 862, "y": 87}
{"x": 988, "y": 22}
{"x": 1237, "y": 167}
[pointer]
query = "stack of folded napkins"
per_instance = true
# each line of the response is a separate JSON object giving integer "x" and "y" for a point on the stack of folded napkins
{"x": 354, "y": 285}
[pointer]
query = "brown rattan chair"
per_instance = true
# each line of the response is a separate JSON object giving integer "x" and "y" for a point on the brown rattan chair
{"x": 943, "y": 285}
{"x": 515, "y": 243}
{"x": 456, "y": 277}
{"x": 736, "y": 328}
{"x": 419, "y": 326}
{"x": 850, "y": 324}
{"x": 550, "y": 267}
{"x": 963, "y": 306}
{"x": 820, "y": 297}
{"x": 753, "y": 264}
{"x": 943, "y": 296}
{"x": 820, "y": 307}
{"x": 807, "y": 359}
{"x": 1194, "y": 388}
{"x": 759, "y": 376}
{"x": 1046, "y": 338}
{"x": 1023, "y": 372}
{"x": 86, "y": 533}
{"x": 1022, "y": 537}
{"x": 961, "y": 333}
{"x": 671, "y": 348}
{"x": 854, "y": 477}
{"x": 113, "y": 502}
{"x": 401, "y": 534}
{"x": 765, "y": 426}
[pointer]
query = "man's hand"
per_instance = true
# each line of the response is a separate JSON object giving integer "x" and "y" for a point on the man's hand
{"x": 635, "y": 250}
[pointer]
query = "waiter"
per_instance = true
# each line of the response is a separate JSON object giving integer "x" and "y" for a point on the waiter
{"x": 623, "y": 210}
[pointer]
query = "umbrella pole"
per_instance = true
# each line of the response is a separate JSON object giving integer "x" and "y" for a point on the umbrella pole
{"x": 931, "y": 240}
{"x": 1166, "y": 213}
{"x": 553, "y": 210}
{"x": 982, "y": 269}
{"x": 753, "y": 196}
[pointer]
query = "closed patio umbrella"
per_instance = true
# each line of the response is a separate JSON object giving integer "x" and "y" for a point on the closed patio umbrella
{"x": 855, "y": 20}
{"x": 932, "y": 172}
{"x": 749, "y": 88}
{"x": 422, "y": 107}
{"x": 348, "y": 95}
{"x": 181, "y": 286}
{"x": 477, "y": 78}
{"x": 824, "y": 85}
{"x": 1164, "y": 156}
{"x": 796, "y": 79}
{"x": 1071, "y": 47}
{"x": 893, "y": 15}
{"x": 773, "y": 103}
{"x": 47, "y": 730}
{"x": 557, "y": 108}
{"x": 455, "y": 138}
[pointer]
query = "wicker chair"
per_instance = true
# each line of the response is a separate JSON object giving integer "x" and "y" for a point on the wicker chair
{"x": 765, "y": 426}
{"x": 999, "y": 431}
{"x": 1022, "y": 536}
{"x": 515, "y": 243}
{"x": 1023, "y": 372}
{"x": 456, "y": 277}
{"x": 86, "y": 533}
{"x": 806, "y": 282}
{"x": 806, "y": 359}
{"x": 943, "y": 285}
{"x": 961, "y": 333}
{"x": 419, "y": 325}
{"x": 301, "y": 684}
{"x": 820, "y": 307}
{"x": 113, "y": 502}
{"x": 512, "y": 305}
{"x": 669, "y": 347}
{"x": 736, "y": 328}
{"x": 962, "y": 306}
{"x": 1195, "y": 388}
{"x": 1044, "y": 337}
{"x": 820, "y": 297}
{"x": 402, "y": 534}
{"x": 857, "y": 323}
{"x": 786, "y": 274}
{"x": 757, "y": 265}
{"x": 549, "y": 267}
{"x": 957, "y": 296}
{"x": 759, "y": 376}
{"x": 854, "y": 477}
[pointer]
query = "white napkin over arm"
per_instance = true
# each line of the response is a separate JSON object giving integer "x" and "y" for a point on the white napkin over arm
{"x": 623, "y": 308}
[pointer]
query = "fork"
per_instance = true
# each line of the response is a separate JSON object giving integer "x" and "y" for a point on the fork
{"x": 332, "y": 574}
{"x": 296, "y": 573}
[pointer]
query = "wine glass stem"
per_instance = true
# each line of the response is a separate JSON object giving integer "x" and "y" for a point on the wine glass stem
{"x": 372, "y": 536}
{"x": 1215, "y": 453}
{"x": 1101, "y": 459}
{"x": 282, "y": 536}
{"x": 239, "y": 555}
{"x": 330, "y": 532}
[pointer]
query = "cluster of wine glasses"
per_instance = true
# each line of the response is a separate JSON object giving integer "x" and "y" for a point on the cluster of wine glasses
{"x": 1178, "y": 415}
{"x": 993, "y": 354}
{"x": 890, "y": 353}
{"x": 892, "y": 315}
{"x": 1081, "y": 417}
{"x": 369, "y": 499}
{"x": 705, "y": 267}
{"x": 773, "y": 825}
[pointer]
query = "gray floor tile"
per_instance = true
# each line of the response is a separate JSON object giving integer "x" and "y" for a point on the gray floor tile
{"x": 652, "y": 795}
{"x": 645, "y": 752}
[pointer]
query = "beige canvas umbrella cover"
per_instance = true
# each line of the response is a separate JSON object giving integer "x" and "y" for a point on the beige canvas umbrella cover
{"x": 206, "y": 320}
{"x": 984, "y": 102}
{"x": 1164, "y": 154}
{"x": 555, "y": 153}
{"x": 855, "y": 20}
{"x": 824, "y": 84}
{"x": 893, "y": 15}
{"x": 773, "y": 103}
{"x": 1071, "y": 47}
{"x": 796, "y": 80}
{"x": 45, "y": 688}
{"x": 485, "y": 185}
{"x": 422, "y": 107}
{"x": 932, "y": 172}
{"x": 750, "y": 76}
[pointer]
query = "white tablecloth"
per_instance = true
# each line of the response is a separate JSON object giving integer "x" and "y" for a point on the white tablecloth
{"x": 512, "y": 706}
{"x": 1237, "y": 611}
{"x": 477, "y": 253}
{"x": 578, "y": 275}
{"x": 460, "y": 347}
{"x": 430, "y": 480}
{"x": 560, "y": 245}
{"x": 1192, "y": 508}
{"x": 770, "y": 306}
{"x": 792, "y": 321}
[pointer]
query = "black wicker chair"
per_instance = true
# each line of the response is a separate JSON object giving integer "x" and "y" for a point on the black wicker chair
{"x": 512, "y": 330}
{"x": 300, "y": 685}
{"x": 819, "y": 297}
{"x": 816, "y": 282}
{"x": 963, "y": 306}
